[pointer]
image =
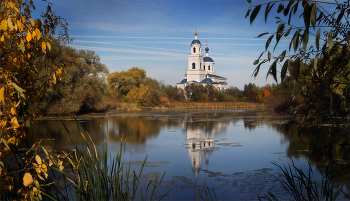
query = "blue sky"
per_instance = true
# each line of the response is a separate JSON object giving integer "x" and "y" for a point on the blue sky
{"x": 155, "y": 35}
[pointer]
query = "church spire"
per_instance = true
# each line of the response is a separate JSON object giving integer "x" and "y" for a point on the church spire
{"x": 195, "y": 34}
{"x": 207, "y": 50}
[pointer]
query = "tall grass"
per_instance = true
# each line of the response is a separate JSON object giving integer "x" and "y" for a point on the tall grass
{"x": 302, "y": 185}
{"x": 105, "y": 177}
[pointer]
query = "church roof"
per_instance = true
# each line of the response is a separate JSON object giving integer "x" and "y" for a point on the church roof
{"x": 207, "y": 80}
{"x": 183, "y": 81}
{"x": 208, "y": 59}
{"x": 195, "y": 42}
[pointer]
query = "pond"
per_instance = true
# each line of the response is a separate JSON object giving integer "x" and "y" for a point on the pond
{"x": 230, "y": 150}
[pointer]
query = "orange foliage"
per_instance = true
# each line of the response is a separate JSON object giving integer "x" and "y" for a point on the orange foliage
{"x": 164, "y": 100}
{"x": 266, "y": 93}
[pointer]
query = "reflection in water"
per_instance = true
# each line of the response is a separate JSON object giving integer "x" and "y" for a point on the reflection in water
{"x": 205, "y": 133}
{"x": 200, "y": 139}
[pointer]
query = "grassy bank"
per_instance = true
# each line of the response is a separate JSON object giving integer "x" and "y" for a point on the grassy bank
{"x": 215, "y": 105}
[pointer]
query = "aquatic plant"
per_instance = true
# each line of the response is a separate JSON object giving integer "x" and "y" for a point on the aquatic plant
{"x": 97, "y": 178}
{"x": 303, "y": 186}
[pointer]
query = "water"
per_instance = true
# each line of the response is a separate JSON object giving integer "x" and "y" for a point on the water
{"x": 231, "y": 151}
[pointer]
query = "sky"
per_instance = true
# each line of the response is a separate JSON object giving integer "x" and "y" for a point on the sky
{"x": 155, "y": 35}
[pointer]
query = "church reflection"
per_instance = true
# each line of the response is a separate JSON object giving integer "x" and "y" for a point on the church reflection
{"x": 200, "y": 136}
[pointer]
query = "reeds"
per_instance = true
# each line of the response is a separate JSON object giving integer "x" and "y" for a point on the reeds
{"x": 302, "y": 185}
{"x": 95, "y": 177}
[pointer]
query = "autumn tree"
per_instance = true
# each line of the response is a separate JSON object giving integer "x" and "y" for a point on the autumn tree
{"x": 23, "y": 42}
{"x": 81, "y": 87}
{"x": 120, "y": 83}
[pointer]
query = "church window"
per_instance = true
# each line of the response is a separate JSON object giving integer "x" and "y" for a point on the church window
{"x": 194, "y": 50}
{"x": 200, "y": 66}
{"x": 193, "y": 66}
{"x": 204, "y": 67}
{"x": 209, "y": 67}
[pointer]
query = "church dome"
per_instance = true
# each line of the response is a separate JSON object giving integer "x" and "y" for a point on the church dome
{"x": 183, "y": 81}
{"x": 208, "y": 59}
{"x": 207, "y": 80}
{"x": 196, "y": 42}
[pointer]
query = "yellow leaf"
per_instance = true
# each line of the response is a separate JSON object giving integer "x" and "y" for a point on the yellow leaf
{"x": 43, "y": 46}
{"x": 3, "y": 25}
{"x": 12, "y": 140}
{"x": 9, "y": 23}
{"x": 27, "y": 179}
{"x": 32, "y": 22}
{"x": 29, "y": 36}
{"x": 16, "y": 9}
{"x": 48, "y": 45}
{"x": 2, "y": 37}
{"x": 31, "y": 195}
{"x": 38, "y": 34}
{"x": 44, "y": 167}
{"x": 38, "y": 159}
{"x": 36, "y": 167}
{"x": 33, "y": 34}
{"x": 2, "y": 94}
{"x": 3, "y": 122}
{"x": 60, "y": 165}
{"x": 20, "y": 25}
{"x": 11, "y": 4}
{"x": 13, "y": 111}
{"x": 53, "y": 79}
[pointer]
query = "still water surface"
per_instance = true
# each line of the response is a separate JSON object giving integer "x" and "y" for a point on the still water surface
{"x": 231, "y": 150}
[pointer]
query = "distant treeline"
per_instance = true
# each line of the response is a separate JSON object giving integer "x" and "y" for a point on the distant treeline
{"x": 85, "y": 85}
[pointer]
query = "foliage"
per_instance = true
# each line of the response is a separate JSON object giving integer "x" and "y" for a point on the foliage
{"x": 327, "y": 77}
{"x": 140, "y": 95}
{"x": 96, "y": 178}
{"x": 120, "y": 83}
{"x": 174, "y": 93}
{"x": 81, "y": 86}
{"x": 23, "y": 42}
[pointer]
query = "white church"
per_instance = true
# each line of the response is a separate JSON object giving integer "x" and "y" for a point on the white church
{"x": 201, "y": 69}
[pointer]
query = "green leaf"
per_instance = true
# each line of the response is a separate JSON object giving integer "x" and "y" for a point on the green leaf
{"x": 305, "y": 39}
{"x": 5, "y": 143}
{"x": 268, "y": 42}
{"x": 22, "y": 47}
{"x": 330, "y": 40}
{"x": 282, "y": 56}
{"x": 18, "y": 89}
{"x": 288, "y": 31}
{"x": 279, "y": 33}
{"x": 248, "y": 11}
{"x": 284, "y": 70}
{"x": 313, "y": 16}
{"x": 256, "y": 71}
{"x": 315, "y": 65}
{"x": 318, "y": 39}
{"x": 296, "y": 7}
{"x": 296, "y": 68}
{"x": 267, "y": 10}
{"x": 269, "y": 56}
{"x": 256, "y": 62}
{"x": 306, "y": 15}
{"x": 296, "y": 40}
{"x": 272, "y": 70}
{"x": 254, "y": 14}
{"x": 249, "y": 1}
{"x": 262, "y": 34}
